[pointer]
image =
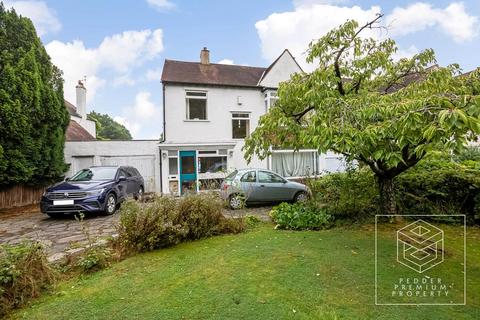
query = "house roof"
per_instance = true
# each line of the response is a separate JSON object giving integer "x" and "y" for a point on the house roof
{"x": 210, "y": 74}
{"x": 76, "y": 132}
{"x": 412, "y": 77}
{"x": 72, "y": 110}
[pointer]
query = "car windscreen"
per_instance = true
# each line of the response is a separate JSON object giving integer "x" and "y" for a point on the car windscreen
{"x": 99, "y": 173}
{"x": 231, "y": 176}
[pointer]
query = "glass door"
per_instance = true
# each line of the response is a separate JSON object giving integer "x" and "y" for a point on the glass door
{"x": 188, "y": 171}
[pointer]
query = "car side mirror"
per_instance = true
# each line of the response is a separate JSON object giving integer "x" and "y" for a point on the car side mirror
{"x": 67, "y": 178}
{"x": 122, "y": 178}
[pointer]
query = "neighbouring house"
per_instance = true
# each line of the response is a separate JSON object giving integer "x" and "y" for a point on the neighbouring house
{"x": 82, "y": 150}
{"x": 209, "y": 109}
{"x": 80, "y": 128}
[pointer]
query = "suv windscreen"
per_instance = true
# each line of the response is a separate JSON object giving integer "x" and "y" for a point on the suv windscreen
{"x": 95, "y": 173}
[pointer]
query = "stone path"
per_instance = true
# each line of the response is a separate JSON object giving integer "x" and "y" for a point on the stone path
{"x": 58, "y": 234}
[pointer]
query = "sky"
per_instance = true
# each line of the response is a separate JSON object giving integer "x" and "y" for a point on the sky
{"x": 119, "y": 46}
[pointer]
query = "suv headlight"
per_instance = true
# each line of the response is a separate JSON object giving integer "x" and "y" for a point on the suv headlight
{"x": 96, "y": 192}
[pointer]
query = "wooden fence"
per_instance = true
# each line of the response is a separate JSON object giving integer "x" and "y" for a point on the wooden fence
{"x": 18, "y": 196}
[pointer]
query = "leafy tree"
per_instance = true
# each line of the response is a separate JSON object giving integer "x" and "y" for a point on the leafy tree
{"x": 363, "y": 104}
{"x": 107, "y": 128}
{"x": 33, "y": 118}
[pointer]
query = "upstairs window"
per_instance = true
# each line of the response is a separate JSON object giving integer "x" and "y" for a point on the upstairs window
{"x": 196, "y": 105}
{"x": 240, "y": 125}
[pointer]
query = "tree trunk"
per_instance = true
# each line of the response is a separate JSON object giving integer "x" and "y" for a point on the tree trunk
{"x": 388, "y": 204}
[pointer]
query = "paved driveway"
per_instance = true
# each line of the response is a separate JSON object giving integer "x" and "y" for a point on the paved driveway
{"x": 58, "y": 234}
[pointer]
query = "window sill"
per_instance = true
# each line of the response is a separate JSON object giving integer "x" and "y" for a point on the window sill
{"x": 187, "y": 120}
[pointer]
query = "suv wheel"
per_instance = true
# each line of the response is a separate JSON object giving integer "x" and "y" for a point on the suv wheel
{"x": 139, "y": 195}
{"x": 111, "y": 204}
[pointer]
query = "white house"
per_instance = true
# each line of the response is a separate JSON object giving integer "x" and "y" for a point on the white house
{"x": 208, "y": 111}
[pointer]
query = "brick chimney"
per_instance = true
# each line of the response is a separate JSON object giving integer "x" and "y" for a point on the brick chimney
{"x": 81, "y": 99}
{"x": 205, "y": 56}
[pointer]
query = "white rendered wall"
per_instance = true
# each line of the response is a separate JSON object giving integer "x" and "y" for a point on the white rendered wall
{"x": 221, "y": 102}
{"x": 281, "y": 71}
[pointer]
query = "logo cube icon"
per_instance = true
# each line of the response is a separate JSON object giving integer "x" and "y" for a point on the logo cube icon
{"x": 420, "y": 246}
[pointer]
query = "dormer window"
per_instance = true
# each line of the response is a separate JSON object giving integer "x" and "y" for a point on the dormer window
{"x": 196, "y": 105}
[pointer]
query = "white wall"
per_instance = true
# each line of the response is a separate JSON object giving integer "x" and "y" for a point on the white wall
{"x": 281, "y": 71}
{"x": 79, "y": 153}
{"x": 221, "y": 102}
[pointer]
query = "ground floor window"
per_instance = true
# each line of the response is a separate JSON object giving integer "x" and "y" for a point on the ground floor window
{"x": 211, "y": 169}
{"x": 289, "y": 163}
{"x": 212, "y": 164}
{"x": 295, "y": 164}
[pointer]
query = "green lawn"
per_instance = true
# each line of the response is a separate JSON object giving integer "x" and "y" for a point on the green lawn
{"x": 261, "y": 274}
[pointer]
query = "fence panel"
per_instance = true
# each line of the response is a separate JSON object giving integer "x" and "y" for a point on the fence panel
{"x": 19, "y": 195}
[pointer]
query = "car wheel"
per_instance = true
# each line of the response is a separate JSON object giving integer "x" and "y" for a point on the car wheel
{"x": 235, "y": 201}
{"x": 139, "y": 195}
{"x": 301, "y": 197}
{"x": 111, "y": 204}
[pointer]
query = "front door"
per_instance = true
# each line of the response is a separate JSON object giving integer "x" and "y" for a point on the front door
{"x": 188, "y": 171}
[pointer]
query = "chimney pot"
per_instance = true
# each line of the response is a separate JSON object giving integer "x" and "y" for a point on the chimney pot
{"x": 205, "y": 56}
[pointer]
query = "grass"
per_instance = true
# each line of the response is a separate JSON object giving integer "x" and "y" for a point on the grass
{"x": 261, "y": 274}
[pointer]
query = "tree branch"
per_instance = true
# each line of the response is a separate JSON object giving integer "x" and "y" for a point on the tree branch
{"x": 336, "y": 63}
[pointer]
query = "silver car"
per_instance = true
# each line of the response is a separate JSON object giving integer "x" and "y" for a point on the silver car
{"x": 260, "y": 185}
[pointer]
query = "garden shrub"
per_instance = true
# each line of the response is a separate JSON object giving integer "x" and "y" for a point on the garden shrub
{"x": 24, "y": 274}
{"x": 149, "y": 226}
{"x": 167, "y": 221}
{"x": 436, "y": 185}
{"x": 252, "y": 221}
{"x": 200, "y": 214}
{"x": 94, "y": 258}
{"x": 350, "y": 195}
{"x": 300, "y": 216}
{"x": 440, "y": 186}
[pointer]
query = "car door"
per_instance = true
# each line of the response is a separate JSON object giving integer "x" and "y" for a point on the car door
{"x": 249, "y": 185}
{"x": 133, "y": 184}
{"x": 272, "y": 187}
{"x": 137, "y": 178}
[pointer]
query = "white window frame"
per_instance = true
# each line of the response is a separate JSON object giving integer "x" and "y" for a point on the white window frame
{"x": 270, "y": 96}
{"x": 187, "y": 104}
{"x": 208, "y": 176}
{"x": 241, "y": 118}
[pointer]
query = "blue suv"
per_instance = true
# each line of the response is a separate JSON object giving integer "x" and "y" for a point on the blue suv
{"x": 95, "y": 189}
